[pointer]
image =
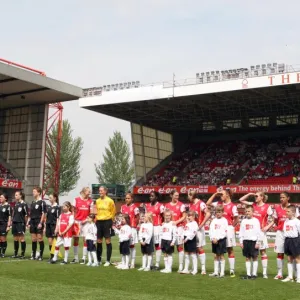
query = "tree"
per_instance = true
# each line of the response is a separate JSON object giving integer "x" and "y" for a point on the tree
{"x": 70, "y": 155}
{"x": 117, "y": 165}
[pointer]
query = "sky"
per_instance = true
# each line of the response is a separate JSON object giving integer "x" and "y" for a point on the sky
{"x": 94, "y": 43}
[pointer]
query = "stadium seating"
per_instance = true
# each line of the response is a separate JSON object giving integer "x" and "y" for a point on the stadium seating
{"x": 253, "y": 162}
{"x": 5, "y": 173}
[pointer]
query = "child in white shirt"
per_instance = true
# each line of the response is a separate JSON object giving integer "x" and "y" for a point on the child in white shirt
{"x": 291, "y": 232}
{"x": 167, "y": 241}
{"x": 124, "y": 234}
{"x": 249, "y": 239}
{"x": 218, "y": 237}
{"x": 91, "y": 239}
{"x": 146, "y": 240}
{"x": 190, "y": 244}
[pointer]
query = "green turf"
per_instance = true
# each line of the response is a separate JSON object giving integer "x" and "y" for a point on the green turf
{"x": 39, "y": 280}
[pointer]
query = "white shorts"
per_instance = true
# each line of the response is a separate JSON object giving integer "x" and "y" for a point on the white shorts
{"x": 263, "y": 241}
{"x": 230, "y": 242}
{"x": 156, "y": 232}
{"x": 134, "y": 239}
{"x": 201, "y": 238}
{"x": 82, "y": 229}
{"x": 180, "y": 236}
{"x": 279, "y": 242}
{"x": 63, "y": 241}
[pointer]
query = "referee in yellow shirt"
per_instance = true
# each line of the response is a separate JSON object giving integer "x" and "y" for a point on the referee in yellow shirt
{"x": 105, "y": 211}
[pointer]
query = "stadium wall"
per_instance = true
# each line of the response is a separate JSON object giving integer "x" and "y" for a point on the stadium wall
{"x": 150, "y": 148}
{"x": 22, "y": 142}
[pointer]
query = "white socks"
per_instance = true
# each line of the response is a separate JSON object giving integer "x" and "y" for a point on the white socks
{"x": 157, "y": 258}
{"x": 76, "y": 252}
{"x": 149, "y": 261}
{"x": 231, "y": 261}
{"x": 94, "y": 255}
{"x": 202, "y": 258}
{"x": 216, "y": 267}
{"x": 254, "y": 268}
{"x": 84, "y": 252}
{"x": 248, "y": 268}
{"x": 195, "y": 262}
{"x": 89, "y": 257}
{"x": 279, "y": 266}
{"x": 66, "y": 255}
{"x": 290, "y": 270}
{"x": 170, "y": 262}
{"x": 298, "y": 271}
{"x": 55, "y": 255}
{"x": 264, "y": 262}
{"x": 132, "y": 255}
{"x": 144, "y": 261}
{"x": 181, "y": 258}
{"x": 222, "y": 263}
{"x": 187, "y": 262}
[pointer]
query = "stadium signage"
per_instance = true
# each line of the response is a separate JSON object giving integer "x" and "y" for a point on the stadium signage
{"x": 284, "y": 79}
{"x": 210, "y": 189}
{"x": 10, "y": 184}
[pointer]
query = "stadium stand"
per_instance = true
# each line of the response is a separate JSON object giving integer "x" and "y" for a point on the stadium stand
{"x": 5, "y": 173}
{"x": 253, "y": 162}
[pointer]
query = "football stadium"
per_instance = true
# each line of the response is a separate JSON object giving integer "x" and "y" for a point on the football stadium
{"x": 231, "y": 130}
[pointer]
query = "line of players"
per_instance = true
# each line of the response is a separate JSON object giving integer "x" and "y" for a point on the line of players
{"x": 83, "y": 206}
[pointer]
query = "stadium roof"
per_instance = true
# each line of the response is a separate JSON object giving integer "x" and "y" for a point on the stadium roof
{"x": 191, "y": 104}
{"x": 20, "y": 87}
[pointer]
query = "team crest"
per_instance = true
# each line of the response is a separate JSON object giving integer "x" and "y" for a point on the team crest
{"x": 37, "y": 206}
{"x": 19, "y": 209}
{"x": 52, "y": 211}
{"x": 3, "y": 210}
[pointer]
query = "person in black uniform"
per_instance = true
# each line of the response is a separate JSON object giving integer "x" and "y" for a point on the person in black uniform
{"x": 5, "y": 220}
{"x": 19, "y": 220}
{"x": 52, "y": 216}
{"x": 36, "y": 222}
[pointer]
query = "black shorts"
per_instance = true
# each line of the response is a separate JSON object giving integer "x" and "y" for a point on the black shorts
{"x": 220, "y": 247}
{"x": 125, "y": 248}
{"x": 190, "y": 246}
{"x": 34, "y": 223}
{"x": 91, "y": 245}
{"x": 292, "y": 246}
{"x": 3, "y": 229}
{"x": 104, "y": 229}
{"x": 148, "y": 248}
{"x": 50, "y": 230}
{"x": 18, "y": 228}
{"x": 166, "y": 247}
{"x": 249, "y": 249}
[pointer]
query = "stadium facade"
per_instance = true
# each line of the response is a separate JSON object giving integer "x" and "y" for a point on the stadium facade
{"x": 261, "y": 101}
{"x": 24, "y": 98}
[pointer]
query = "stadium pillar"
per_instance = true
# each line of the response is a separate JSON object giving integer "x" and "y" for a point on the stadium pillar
{"x": 51, "y": 173}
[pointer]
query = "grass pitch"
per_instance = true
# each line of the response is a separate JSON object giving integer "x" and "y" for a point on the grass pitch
{"x": 39, "y": 280}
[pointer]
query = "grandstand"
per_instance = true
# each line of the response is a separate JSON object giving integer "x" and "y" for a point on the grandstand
{"x": 24, "y": 97}
{"x": 235, "y": 127}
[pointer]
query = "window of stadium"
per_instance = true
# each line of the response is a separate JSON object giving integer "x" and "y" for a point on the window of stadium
{"x": 231, "y": 124}
{"x": 209, "y": 126}
{"x": 259, "y": 122}
{"x": 287, "y": 120}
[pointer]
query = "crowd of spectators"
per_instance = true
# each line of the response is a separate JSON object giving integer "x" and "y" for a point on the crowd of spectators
{"x": 245, "y": 162}
{"x": 5, "y": 173}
